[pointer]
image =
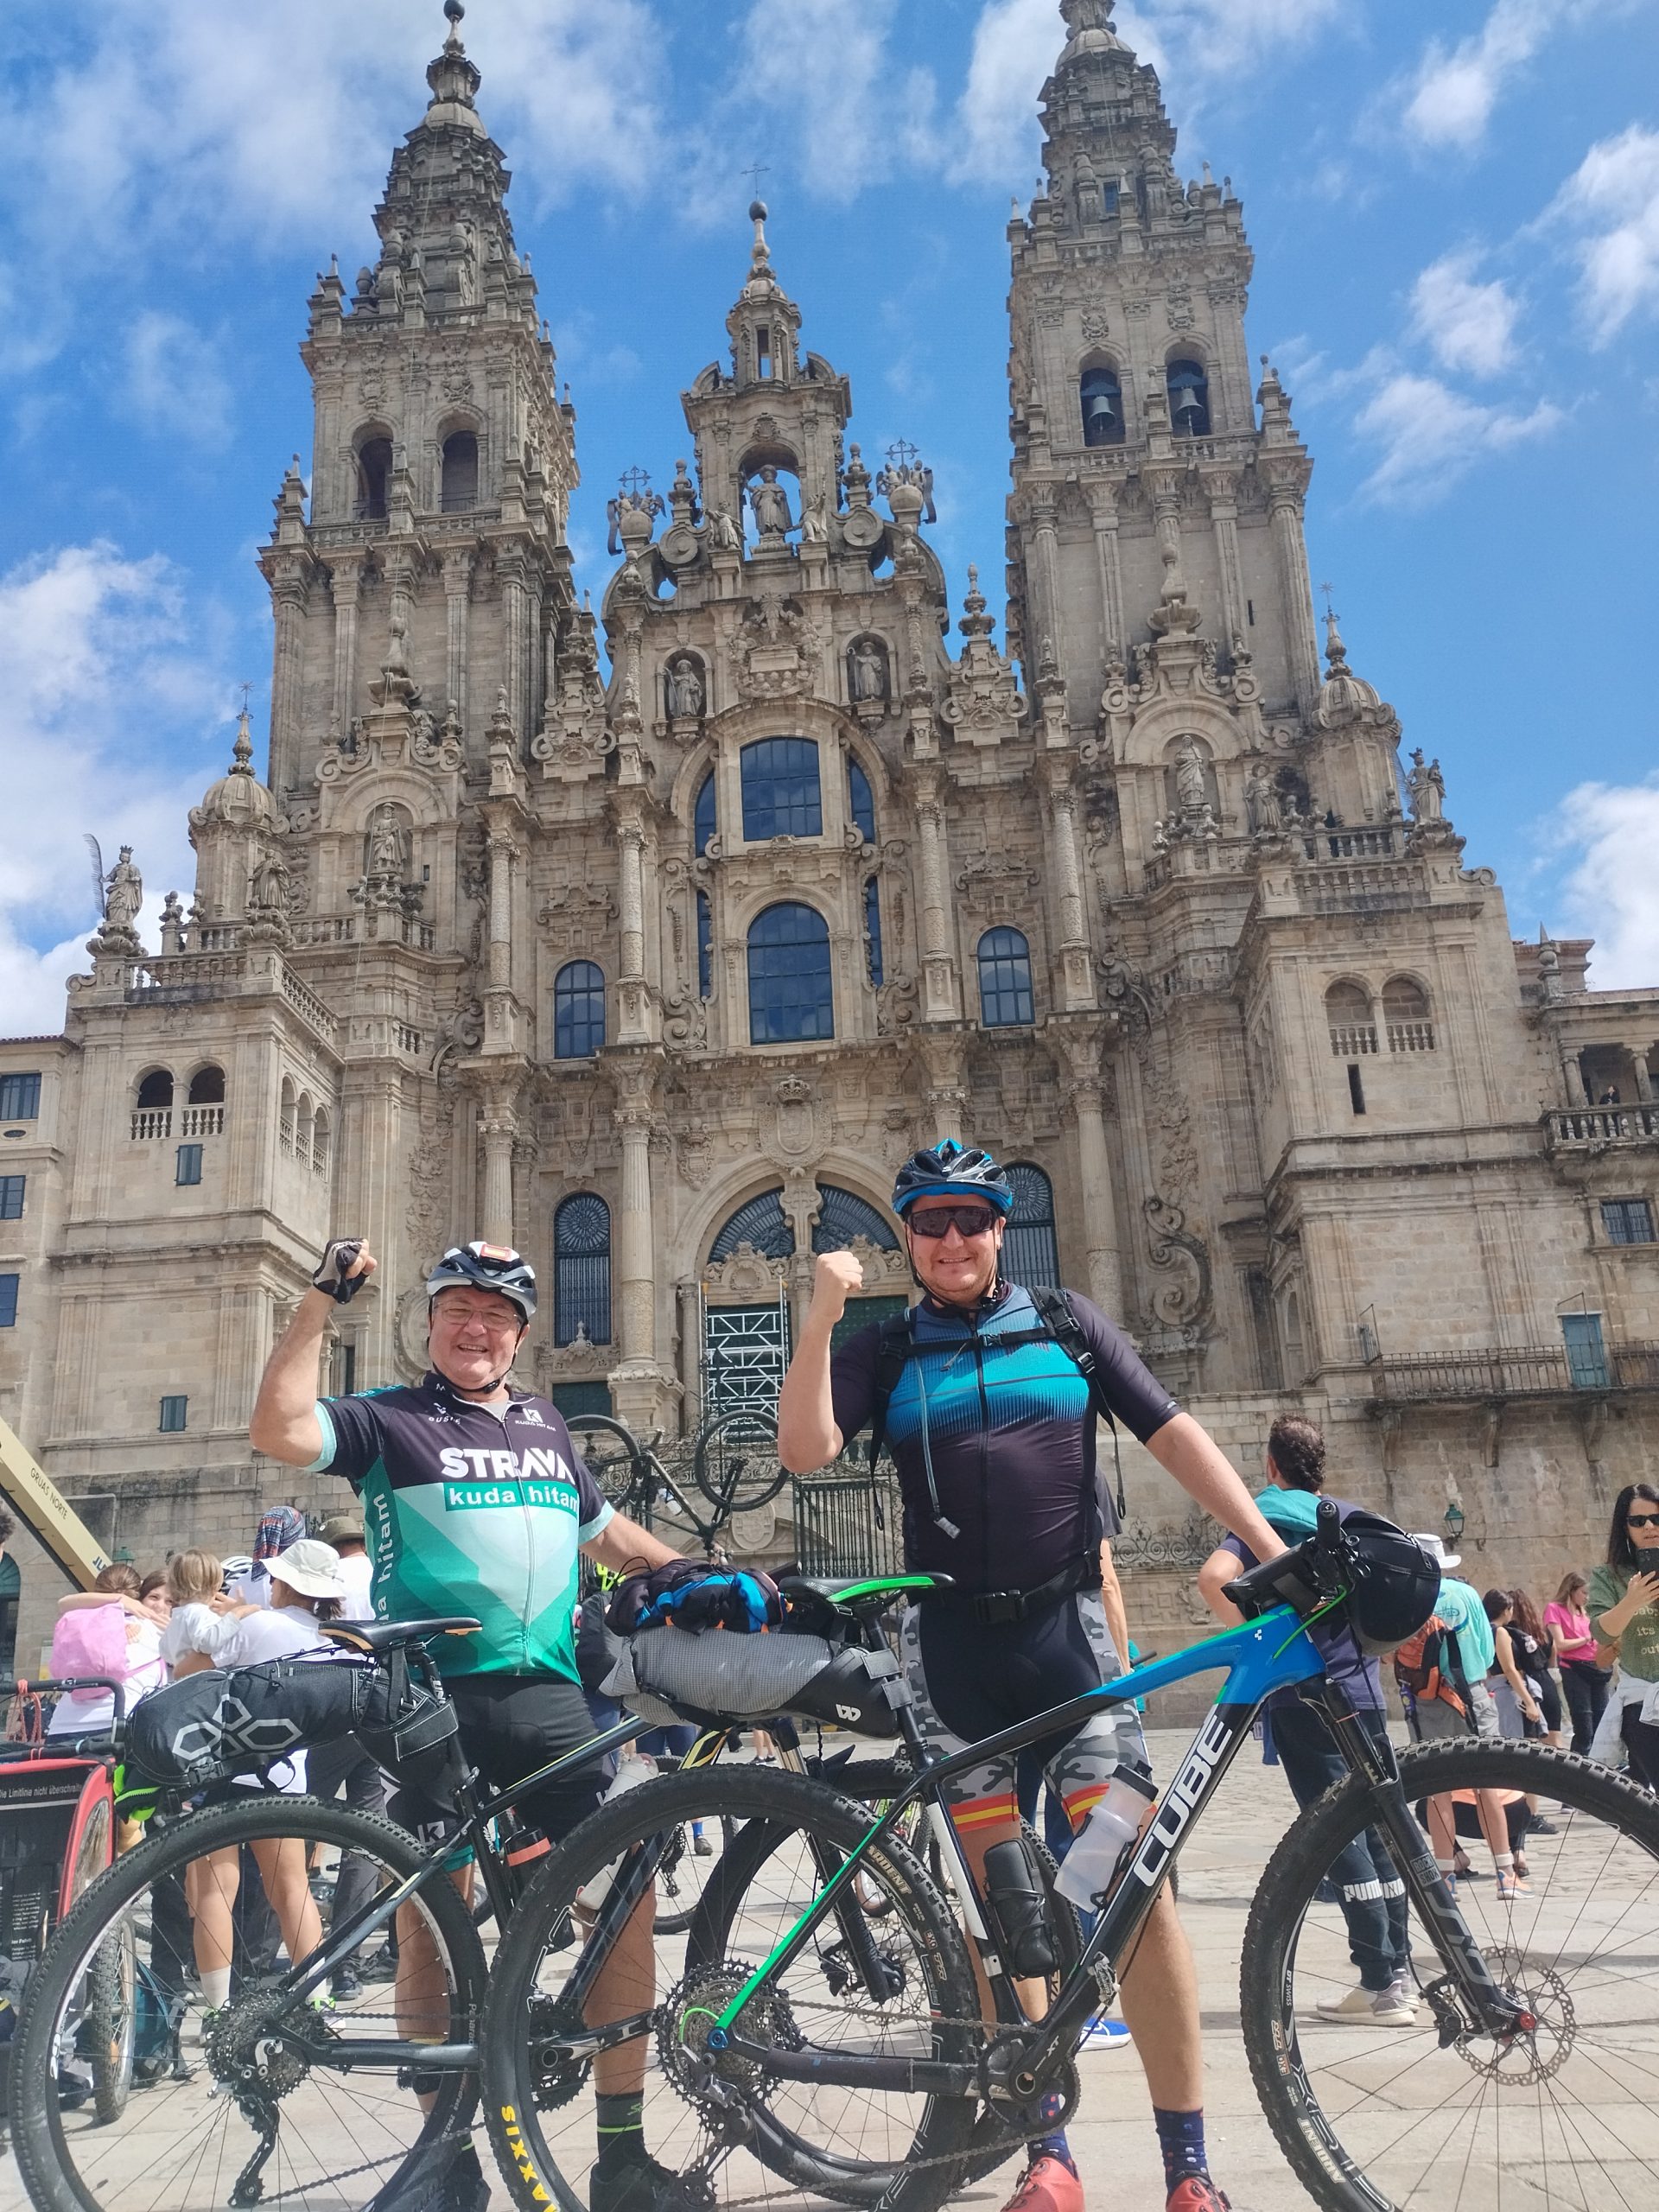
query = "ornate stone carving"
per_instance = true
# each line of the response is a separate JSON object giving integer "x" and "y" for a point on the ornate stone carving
{"x": 999, "y": 887}
{"x": 745, "y": 1273}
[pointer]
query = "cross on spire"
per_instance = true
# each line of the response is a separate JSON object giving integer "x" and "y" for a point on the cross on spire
{"x": 754, "y": 172}
{"x": 634, "y": 481}
{"x": 902, "y": 454}
{"x": 1329, "y": 607}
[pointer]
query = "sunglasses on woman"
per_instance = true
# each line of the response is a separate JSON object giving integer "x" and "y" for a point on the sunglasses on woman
{"x": 1642, "y": 1520}
{"x": 967, "y": 1221}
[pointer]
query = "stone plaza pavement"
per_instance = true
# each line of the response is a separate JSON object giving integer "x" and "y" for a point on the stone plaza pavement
{"x": 1113, "y": 2136}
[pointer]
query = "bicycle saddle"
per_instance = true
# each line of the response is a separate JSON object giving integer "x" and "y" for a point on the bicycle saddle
{"x": 860, "y": 1594}
{"x": 380, "y": 1636}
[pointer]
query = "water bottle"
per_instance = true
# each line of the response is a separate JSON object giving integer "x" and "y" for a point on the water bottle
{"x": 1098, "y": 1848}
{"x": 1014, "y": 1897}
{"x": 632, "y": 1769}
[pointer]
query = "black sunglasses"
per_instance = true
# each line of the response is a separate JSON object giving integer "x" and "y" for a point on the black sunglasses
{"x": 967, "y": 1221}
{"x": 1642, "y": 1520}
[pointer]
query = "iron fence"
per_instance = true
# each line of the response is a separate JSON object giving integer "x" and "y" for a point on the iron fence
{"x": 850, "y": 1524}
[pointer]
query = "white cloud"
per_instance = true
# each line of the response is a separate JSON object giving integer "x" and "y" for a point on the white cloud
{"x": 1431, "y": 436}
{"x": 1016, "y": 43}
{"x": 1612, "y": 203}
{"x": 1450, "y": 97}
{"x": 1613, "y": 888}
{"x": 173, "y": 381}
{"x": 104, "y": 665}
{"x": 1468, "y": 326}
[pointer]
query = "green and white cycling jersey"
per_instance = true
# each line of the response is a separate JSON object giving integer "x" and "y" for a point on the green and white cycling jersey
{"x": 466, "y": 1511}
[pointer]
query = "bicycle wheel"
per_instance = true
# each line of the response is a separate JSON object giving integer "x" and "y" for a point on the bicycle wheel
{"x": 109, "y": 2025}
{"x": 731, "y": 2138}
{"x": 303, "y": 2100}
{"x": 613, "y": 1456}
{"x": 1386, "y": 2119}
{"x": 736, "y": 1463}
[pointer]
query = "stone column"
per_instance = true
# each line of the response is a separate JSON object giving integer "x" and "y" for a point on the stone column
{"x": 1221, "y": 485}
{"x": 1285, "y": 506}
{"x": 501, "y": 849}
{"x": 691, "y": 1353}
{"x": 1643, "y": 1080}
{"x": 636, "y": 1279}
{"x": 346, "y": 574}
{"x": 1065, "y": 870}
{"x": 938, "y": 953}
{"x": 457, "y": 590}
{"x": 1573, "y": 1076}
{"x": 289, "y": 591}
{"x": 515, "y": 628}
{"x": 1103, "y": 513}
{"x": 499, "y": 1127}
{"x": 946, "y": 1091}
{"x": 1095, "y": 1181}
{"x": 1046, "y": 546}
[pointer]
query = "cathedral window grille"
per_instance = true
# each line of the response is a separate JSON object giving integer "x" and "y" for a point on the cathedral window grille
{"x": 578, "y": 1010}
{"x": 843, "y": 1215}
{"x": 1030, "y": 1252}
{"x": 1348, "y": 1011}
{"x": 12, "y": 1197}
{"x": 705, "y": 947}
{"x": 1102, "y": 396}
{"x": 9, "y": 1300}
{"x": 186, "y": 1168}
{"x": 1406, "y": 1016}
{"x": 153, "y": 1108}
{"x": 582, "y": 1269}
{"x": 1627, "y": 1221}
{"x": 373, "y": 474}
{"x": 1004, "y": 994}
{"x": 19, "y": 1097}
{"x": 790, "y": 998}
{"x": 781, "y": 793}
{"x": 1189, "y": 399}
{"x": 759, "y": 1222}
{"x": 458, "y": 489}
{"x": 705, "y": 818}
{"x": 873, "y": 931}
{"x": 861, "y": 801}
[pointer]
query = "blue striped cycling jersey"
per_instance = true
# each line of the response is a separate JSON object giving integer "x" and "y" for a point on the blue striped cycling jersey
{"x": 1011, "y": 1430}
{"x": 469, "y": 1511}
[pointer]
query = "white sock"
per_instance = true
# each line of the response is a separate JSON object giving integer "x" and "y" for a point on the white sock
{"x": 215, "y": 1987}
{"x": 1505, "y": 1861}
{"x": 1447, "y": 1867}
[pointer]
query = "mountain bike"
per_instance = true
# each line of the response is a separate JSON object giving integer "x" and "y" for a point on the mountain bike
{"x": 797, "y": 2039}
{"x": 351, "y": 2078}
{"x": 732, "y": 1465}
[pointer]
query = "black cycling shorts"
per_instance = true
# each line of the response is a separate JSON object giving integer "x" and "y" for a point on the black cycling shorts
{"x": 510, "y": 1726}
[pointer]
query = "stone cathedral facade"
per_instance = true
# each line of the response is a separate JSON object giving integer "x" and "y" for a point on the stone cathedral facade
{"x": 655, "y": 961}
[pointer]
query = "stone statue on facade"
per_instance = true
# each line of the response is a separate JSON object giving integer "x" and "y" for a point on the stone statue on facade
{"x": 124, "y": 895}
{"x": 1189, "y": 794}
{"x": 684, "y": 691}
{"x": 868, "y": 668}
{"x": 814, "y": 526}
{"x": 722, "y": 531}
{"x": 1428, "y": 788}
{"x": 386, "y": 846}
{"x": 769, "y": 504}
{"x": 1263, "y": 803}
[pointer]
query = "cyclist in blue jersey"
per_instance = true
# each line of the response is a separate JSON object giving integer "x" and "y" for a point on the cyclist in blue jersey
{"x": 989, "y": 1397}
{"x": 476, "y": 1502}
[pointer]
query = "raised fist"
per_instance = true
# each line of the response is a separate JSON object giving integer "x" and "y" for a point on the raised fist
{"x": 346, "y": 1266}
{"x": 837, "y": 1277}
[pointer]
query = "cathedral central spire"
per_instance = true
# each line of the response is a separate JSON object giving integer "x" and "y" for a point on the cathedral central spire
{"x": 454, "y": 78}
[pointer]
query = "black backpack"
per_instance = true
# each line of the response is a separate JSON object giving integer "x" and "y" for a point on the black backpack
{"x": 897, "y": 1344}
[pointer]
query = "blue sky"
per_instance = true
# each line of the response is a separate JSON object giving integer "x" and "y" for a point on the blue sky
{"x": 1454, "y": 206}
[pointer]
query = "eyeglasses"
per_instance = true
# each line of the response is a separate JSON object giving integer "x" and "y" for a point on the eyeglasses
{"x": 1642, "y": 1520}
{"x": 967, "y": 1221}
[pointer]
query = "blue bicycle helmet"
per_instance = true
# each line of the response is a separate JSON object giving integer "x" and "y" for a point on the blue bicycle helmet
{"x": 949, "y": 1170}
{"x": 486, "y": 1267}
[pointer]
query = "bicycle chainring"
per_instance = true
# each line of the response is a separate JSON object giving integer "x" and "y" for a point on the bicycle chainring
{"x": 558, "y": 2076}
{"x": 706, "y": 2079}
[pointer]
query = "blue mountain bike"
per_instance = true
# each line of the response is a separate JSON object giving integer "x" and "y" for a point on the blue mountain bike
{"x": 795, "y": 2038}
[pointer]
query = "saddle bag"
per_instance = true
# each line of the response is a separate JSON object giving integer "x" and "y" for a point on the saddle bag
{"x": 667, "y": 1675}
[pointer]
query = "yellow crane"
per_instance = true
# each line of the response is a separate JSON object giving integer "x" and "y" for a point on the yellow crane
{"x": 48, "y": 1516}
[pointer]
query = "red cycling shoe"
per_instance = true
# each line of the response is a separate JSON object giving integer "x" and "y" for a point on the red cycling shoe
{"x": 1048, "y": 2185}
{"x": 1198, "y": 2193}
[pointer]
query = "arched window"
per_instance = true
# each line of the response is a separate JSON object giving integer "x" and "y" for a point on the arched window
{"x": 1406, "y": 1015}
{"x": 1004, "y": 979}
{"x": 320, "y": 1142}
{"x": 705, "y": 947}
{"x": 155, "y": 1090}
{"x": 781, "y": 797}
{"x": 1189, "y": 399}
{"x": 1102, "y": 395}
{"x": 302, "y": 1129}
{"x": 790, "y": 1000}
{"x": 873, "y": 931}
{"x": 1030, "y": 1254}
{"x": 578, "y": 1010}
{"x": 843, "y": 1215}
{"x": 285, "y": 1120}
{"x": 458, "y": 487}
{"x": 208, "y": 1086}
{"x": 374, "y": 473}
{"x": 1348, "y": 1011}
{"x": 759, "y": 1222}
{"x": 582, "y": 1269}
{"x": 704, "y": 818}
{"x": 861, "y": 801}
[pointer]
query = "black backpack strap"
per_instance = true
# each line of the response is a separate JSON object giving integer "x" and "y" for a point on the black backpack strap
{"x": 1056, "y": 1309}
{"x": 892, "y": 1347}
